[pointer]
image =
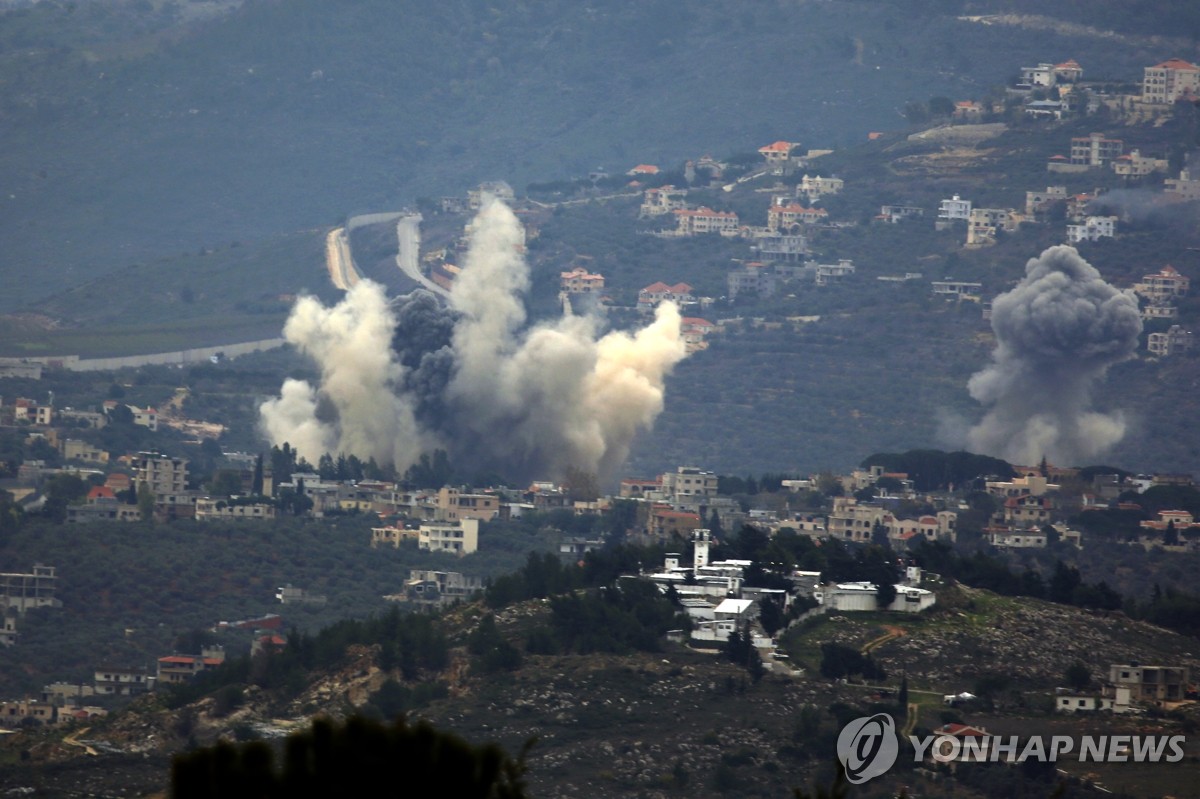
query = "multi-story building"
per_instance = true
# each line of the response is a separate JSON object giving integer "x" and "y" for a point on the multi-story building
{"x": 782, "y": 247}
{"x": 391, "y": 536}
{"x": 1174, "y": 341}
{"x": 892, "y": 214}
{"x": 983, "y": 223}
{"x": 954, "y": 208}
{"x": 580, "y": 281}
{"x": 453, "y": 504}
{"x": 1036, "y": 202}
{"x": 176, "y": 669}
{"x": 459, "y": 537}
{"x": 957, "y": 289}
{"x": 1095, "y": 150}
{"x": 793, "y": 217}
{"x": 852, "y": 520}
{"x": 35, "y": 589}
{"x": 119, "y": 681}
{"x": 1154, "y": 684}
{"x": 663, "y": 200}
{"x": 1135, "y": 165}
{"x": 1166, "y": 284}
{"x": 813, "y": 188}
{"x": 698, "y": 221}
{"x": 1093, "y": 228}
{"x": 688, "y": 483}
{"x": 427, "y": 587}
{"x": 210, "y": 508}
{"x": 163, "y": 475}
{"x": 752, "y": 278}
{"x": 1167, "y": 82}
{"x": 824, "y": 274}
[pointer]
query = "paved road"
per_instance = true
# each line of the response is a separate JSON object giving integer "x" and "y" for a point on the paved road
{"x": 408, "y": 252}
{"x": 339, "y": 260}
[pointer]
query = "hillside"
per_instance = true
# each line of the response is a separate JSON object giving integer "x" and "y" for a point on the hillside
{"x": 286, "y": 115}
{"x": 678, "y": 721}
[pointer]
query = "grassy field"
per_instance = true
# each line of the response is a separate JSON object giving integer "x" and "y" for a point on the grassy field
{"x": 26, "y": 341}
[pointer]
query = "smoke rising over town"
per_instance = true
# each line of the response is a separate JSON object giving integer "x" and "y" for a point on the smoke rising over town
{"x": 401, "y": 379}
{"x": 1057, "y": 333}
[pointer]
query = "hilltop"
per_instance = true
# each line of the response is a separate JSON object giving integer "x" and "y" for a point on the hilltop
{"x": 678, "y": 719}
{"x": 274, "y": 117}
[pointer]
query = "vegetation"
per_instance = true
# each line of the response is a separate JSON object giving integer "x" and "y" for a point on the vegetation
{"x": 358, "y": 757}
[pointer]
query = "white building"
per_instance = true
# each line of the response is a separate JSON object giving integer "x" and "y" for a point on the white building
{"x": 460, "y": 537}
{"x": 1093, "y": 228}
{"x": 954, "y": 208}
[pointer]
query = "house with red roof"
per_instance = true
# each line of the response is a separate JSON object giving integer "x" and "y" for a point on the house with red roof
{"x": 791, "y": 217}
{"x": 778, "y": 153}
{"x": 643, "y": 169}
{"x": 695, "y": 331}
{"x": 697, "y": 221}
{"x": 176, "y": 669}
{"x": 1163, "y": 285}
{"x": 652, "y": 295}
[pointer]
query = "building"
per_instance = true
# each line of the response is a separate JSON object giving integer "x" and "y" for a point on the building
{"x": 459, "y": 537}
{"x": 695, "y": 332}
{"x": 1169, "y": 81}
{"x": 492, "y": 188}
{"x": 453, "y": 504}
{"x": 652, "y": 295}
{"x": 663, "y": 200}
{"x": 698, "y": 221}
{"x": 954, "y": 208}
{"x": 1166, "y": 284}
{"x": 1038, "y": 202}
{"x": 176, "y": 669}
{"x": 1187, "y": 186}
{"x": 957, "y": 289}
{"x": 210, "y": 508}
{"x": 162, "y": 475}
{"x": 893, "y": 214}
{"x": 792, "y": 217}
{"x": 852, "y": 520}
{"x": 1135, "y": 165}
{"x": 1095, "y": 150}
{"x": 431, "y": 588}
{"x": 22, "y": 591}
{"x": 825, "y": 274}
{"x": 1093, "y": 228}
{"x": 580, "y": 281}
{"x": 392, "y": 536}
{"x": 1152, "y": 684}
{"x": 1172, "y": 342}
{"x": 752, "y": 278}
{"x": 118, "y": 681}
{"x": 688, "y": 483}
{"x": 813, "y": 188}
{"x": 101, "y": 504}
{"x": 982, "y": 224}
{"x": 781, "y": 247}
{"x": 967, "y": 111}
{"x": 778, "y": 153}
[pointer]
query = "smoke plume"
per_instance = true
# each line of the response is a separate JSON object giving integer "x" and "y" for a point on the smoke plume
{"x": 399, "y": 380}
{"x": 1057, "y": 334}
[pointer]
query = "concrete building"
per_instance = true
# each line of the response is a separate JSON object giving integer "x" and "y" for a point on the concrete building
{"x": 688, "y": 483}
{"x": 454, "y": 504}
{"x": 162, "y": 474}
{"x": 702, "y": 220}
{"x": 1152, "y": 684}
{"x": 176, "y": 669}
{"x": 1095, "y": 150}
{"x": 1093, "y": 228}
{"x": 1169, "y": 81}
{"x": 24, "y": 590}
{"x": 1166, "y": 284}
{"x": 663, "y": 200}
{"x": 954, "y": 208}
{"x": 580, "y": 281}
{"x": 1176, "y": 340}
{"x": 460, "y": 537}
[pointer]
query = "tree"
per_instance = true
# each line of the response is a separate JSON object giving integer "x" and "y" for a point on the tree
{"x": 355, "y": 758}
{"x": 941, "y": 107}
{"x": 1078, "y": 676}
{"x": 145, "y": 500}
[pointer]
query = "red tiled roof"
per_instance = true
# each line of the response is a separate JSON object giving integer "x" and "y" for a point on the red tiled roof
{"x": 101, "y": 492}
{"x": 777, "y": 147}
{"x": 655, "y": 288}
{"x": 644, "y": 169}
{"x": 1177, "y": 63}
{"x": 695, "y": 321}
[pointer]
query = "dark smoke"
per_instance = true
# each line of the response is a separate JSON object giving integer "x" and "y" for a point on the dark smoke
{"x": 1057, "y": 334}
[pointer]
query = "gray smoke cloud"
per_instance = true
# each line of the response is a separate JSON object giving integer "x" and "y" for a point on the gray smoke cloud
{"x": 1057, "y": 333}
{"x": 401, "y": 379}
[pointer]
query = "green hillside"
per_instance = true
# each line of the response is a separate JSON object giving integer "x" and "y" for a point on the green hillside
{"x": 288, "y": 115}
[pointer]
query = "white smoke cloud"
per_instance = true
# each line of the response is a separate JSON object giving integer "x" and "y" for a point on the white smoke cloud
{"x": 520, "y": 400}
{"x": 351, "y": 343}
{"x": 1057, "y": 333}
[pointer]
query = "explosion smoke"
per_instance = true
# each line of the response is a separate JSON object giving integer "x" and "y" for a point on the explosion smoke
{"x": 1057, "y": 333}
{"x": 398, "y": 381}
